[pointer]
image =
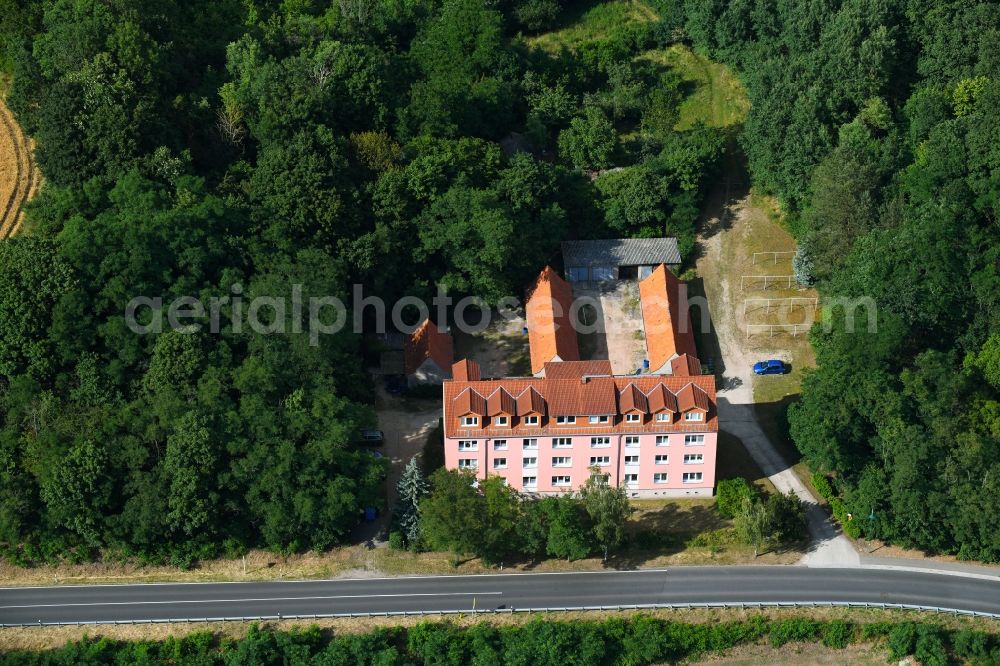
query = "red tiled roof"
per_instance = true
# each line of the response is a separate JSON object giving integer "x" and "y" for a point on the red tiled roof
{"x": 665, "y": 317}
{"x": 631, "y": 399}
{"x": 500, "y": 402}
{"x": 550, "y": 334}
{"x": 572, "y": 397}
{"x": 530, "y": 402}
{"x": 466, "y": 371}
{"x": 469, "y": 402}
{"x": 692, "y": 397}
{"x": 660, "y": 399}
{"x": 685, "y": 365}
{"x": 428, "y": 342}
{"x": 577, "y": 369}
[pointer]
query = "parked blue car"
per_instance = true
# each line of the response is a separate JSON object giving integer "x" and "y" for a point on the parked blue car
{"x": 771, "y": 367}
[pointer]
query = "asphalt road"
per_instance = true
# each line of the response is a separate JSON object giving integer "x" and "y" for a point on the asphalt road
{"x": 168, "y": 601}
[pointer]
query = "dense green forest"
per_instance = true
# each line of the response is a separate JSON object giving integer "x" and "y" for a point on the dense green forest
{"x": 237, "y": 148}
{"x": 877, "y": 124}
{"x": 635, "y": 641}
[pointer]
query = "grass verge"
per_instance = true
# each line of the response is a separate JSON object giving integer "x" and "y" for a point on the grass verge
{"x": 46, "y": 638}
{"x": 662, "y": 533}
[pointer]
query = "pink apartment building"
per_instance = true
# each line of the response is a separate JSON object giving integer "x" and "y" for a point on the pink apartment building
{"x": 655, "y": 435}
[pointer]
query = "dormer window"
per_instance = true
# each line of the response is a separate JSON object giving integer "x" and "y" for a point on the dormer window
{"x": 565, "y": 420}
{"x": 470, "y": 421}
{"x": 501, "y": 421}
{"x": 633, "y": 418}
{"x": 531, "y": 420}
{"x": 694, "y": 416}
{"x": 663, "y": 417}
{"x": 598, "y": 419}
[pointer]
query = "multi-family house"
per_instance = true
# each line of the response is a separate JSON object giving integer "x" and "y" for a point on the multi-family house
{"x": 653, "y": 434}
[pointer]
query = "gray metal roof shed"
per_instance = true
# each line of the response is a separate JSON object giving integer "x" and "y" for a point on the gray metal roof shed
{"x": 601, "y": 259}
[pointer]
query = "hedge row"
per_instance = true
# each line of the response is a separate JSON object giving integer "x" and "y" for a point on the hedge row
{"x": 632, "y": 641}
{"x": 823, "y": 486}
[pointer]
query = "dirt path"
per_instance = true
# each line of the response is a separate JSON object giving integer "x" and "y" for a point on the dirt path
{"x": 736, "y": 396}
{"x": 19, "y": 177}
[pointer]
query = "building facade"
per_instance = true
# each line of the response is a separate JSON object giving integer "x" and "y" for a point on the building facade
{"x": 654, "y": 435}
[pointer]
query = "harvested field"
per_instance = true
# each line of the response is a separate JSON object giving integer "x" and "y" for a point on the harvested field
{"x": 19, "y": 176}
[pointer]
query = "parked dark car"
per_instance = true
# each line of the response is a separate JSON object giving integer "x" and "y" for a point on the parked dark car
{"x": 770, "y": 367}
{"x": 371, "y": 437}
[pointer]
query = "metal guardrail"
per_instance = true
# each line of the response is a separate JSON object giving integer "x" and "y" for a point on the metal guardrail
{"x": 547, "y": 609}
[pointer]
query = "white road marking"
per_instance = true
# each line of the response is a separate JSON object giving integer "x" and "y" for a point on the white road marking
{"x": 227, "y": 601}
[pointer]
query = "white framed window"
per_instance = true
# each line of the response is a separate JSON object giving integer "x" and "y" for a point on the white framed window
{"x": 694, "y": 440}
{"x": 529, "y": 481}
{"x": 660, "y": 477}
{"x": 501, "y": 421}
{"x": 530, "y": 420}
{"x": 560, "y": 480}
{"x": 598, "y": 419}
{"x": 631, "y": 460}
{"x": 565, "y": 420}
{"x": 468, "y": 445}
{"x": 692, "y": 477}
{"x": 664, "y": 417}
{"x": 632, "y": 441}
{"x": 600, "y": 442}
{"x": 694, "y": 416}
{"x": 499, "y": 444}
{"x": 631, "y": 479}
{"x": 600, "y": 461}
{"x": 470, "y": 421}
{"x": 530, "y": 443}
{"x": 693, "y": 458}
{"x": 633, "y": 418}
{"x": 562, "y": 461}
{"x": 663, "y": 440}
{"x": 468, "y": 463}
{"x": 662, "y": 459}
{"x": 499, "y": 463}
{"x": 562, "y": 443}
{"x": 529, "y": 463}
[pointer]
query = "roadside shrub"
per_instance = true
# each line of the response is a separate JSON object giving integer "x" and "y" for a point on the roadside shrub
{"x": 972, "y": 645}
{"x": 902, "y": 640}
{"x": 396, "y": 540}
{"x": 796, "y": 629}
{"x": 837, "y": 507}
{"x": 731, "y": 494}
{"x": 930, "y": 649}
{"x": 876, "y": 630}
{"x": 822, "y": 485}
{"x": 837, "y": 634}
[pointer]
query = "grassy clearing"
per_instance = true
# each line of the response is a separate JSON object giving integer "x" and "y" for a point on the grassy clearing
{"x": 663, "y": 533}
{"x": 718, "y": 99}
{"x": 761, "y": 228}
{"x": 593, "y": 21}
{"x": 41, "y": 638}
